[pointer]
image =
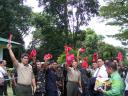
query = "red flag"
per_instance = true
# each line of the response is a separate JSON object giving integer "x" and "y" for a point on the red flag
{"x": 120, "y": 56}
{"x": 95, "y": 57}
{"x": 48, "y": 56}
{"x": 82, "y": 49}
{"x": 85, "y": 63}
{"x": 69, "y": 59}
{"x": 10, "y": 38}
{"x": 33, "y": 53}
{"x": 67, "y": 49}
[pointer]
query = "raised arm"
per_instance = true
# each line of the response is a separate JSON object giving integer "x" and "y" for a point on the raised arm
{"x": 78, "y": 55}
{"x": 13, "y": 58}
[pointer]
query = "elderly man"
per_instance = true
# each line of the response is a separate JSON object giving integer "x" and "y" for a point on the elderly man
{"x": 117, "y": 84}
{"x": 25, "y": 74}
{"x": 101, "y": 70}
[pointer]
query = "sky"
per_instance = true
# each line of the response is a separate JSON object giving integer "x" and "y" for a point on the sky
{"x": 99, "y": 27}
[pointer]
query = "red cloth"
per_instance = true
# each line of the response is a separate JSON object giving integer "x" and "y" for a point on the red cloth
{"x": 95, "y": 57}
{"x": 10, "y": 38}
{"x": 69, "y": 59}
{"x": 82, "y": 49}
{"x": 85, "y": 63}
{"x": 120, "y": 56}
{"x": 33, "y": 53}
{"x": 48, "y": 56}
{"x": 67, "y": 49}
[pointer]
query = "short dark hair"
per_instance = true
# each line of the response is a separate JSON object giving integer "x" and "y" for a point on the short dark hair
{"x": 1, "y": 61}
{"x": 100, "y": 58}
{"x": 24, "y": 54}
{"x": 37, "y": 60}
{"x": 116, "y": 60}
{"x": 111, "y": 65}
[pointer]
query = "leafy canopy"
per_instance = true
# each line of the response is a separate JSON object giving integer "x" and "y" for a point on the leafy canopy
{"x": 117, "y": 13}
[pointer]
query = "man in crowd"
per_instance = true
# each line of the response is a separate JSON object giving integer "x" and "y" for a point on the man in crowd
{"x": 117, "y": 84}
{"x": 5, "y": 77}
{"x": 25, "y": 74}
{"x": 74, "y": 80}
{"x": 2, "y": 73}
{"x": 100, "y": 73}
{"x": 101, "y": 70}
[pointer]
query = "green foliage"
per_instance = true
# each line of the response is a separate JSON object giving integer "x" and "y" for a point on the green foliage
{"x": 15, "y": 18}
{"x": 93, "y": 43}
{"x": 117, "y": 12}
{"x": 61, "y": 58}
{"x": 50, "y": 38}
{"x": 67, "y": 20}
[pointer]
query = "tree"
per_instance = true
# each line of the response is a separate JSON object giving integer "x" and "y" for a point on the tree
{"x": 91, "y": 41}
{"x": 14, "y": 17}
{"x": 68, "y": 20}
{"x": 117, "y": 12}
{"x": 49, "y": 38}
{"x": 94, "y": 43}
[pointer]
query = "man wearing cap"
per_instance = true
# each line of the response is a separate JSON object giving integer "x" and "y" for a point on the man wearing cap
{"x": 25, "y": 74}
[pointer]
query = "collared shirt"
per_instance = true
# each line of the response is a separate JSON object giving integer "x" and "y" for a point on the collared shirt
{"x": 25, "y": 74}
{"x": 117, "y": 85}
{"x": 2, "y": 72}
{"x": 73, "y": 75}
{"x": 101, "y": 72}
{"x": 126, "y": 82}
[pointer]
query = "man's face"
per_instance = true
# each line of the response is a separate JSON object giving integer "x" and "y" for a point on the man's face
{"x": 74, "y": 64}
{"x": 100, "y": 62}
{"x": 94, "y": 65}
{"x": 38, "y": 64}
{"x": 109, "y": 70}
{"x": 25, "y": 60}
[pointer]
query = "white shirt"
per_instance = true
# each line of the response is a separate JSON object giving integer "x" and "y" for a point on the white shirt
{"x": 101, "y": 72}
{"x": 126, "y": 82}
{"x": 2, "y": 72}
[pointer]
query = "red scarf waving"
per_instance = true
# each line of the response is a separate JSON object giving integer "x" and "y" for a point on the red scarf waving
{"x": 120, "y": 56}
{"x": 33, "y": 53}
{"x": 85, "y": 63}
{"x": 95, "y": 57}
{"x": 69, "y": 59}
{"x": 48, "y": 56}
{"x": 10, "y": 38}
{"x": 82, "y": 50}
{"x": 67, "y": 49}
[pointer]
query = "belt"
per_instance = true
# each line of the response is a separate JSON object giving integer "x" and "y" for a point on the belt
{"x": 23, "y": 85}
{"x": 73, "y": 81}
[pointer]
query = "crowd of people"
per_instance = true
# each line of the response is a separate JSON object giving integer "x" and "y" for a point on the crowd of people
{"x": 36, "y": 78}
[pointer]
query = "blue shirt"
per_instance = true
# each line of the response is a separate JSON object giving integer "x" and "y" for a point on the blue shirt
{"x": 51, "y": 79}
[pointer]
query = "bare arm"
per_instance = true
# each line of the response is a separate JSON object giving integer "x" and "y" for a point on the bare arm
{"x": 78, "y": 55}
{"x": 13, "y": 58}
{"x": 80, "y": 81}
{"x": 33, "y": 82}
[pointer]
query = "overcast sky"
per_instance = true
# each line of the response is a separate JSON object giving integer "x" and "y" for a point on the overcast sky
{"x": 95, "y": 23}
